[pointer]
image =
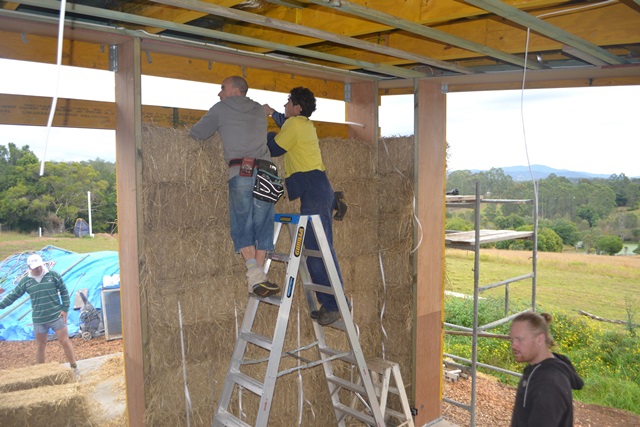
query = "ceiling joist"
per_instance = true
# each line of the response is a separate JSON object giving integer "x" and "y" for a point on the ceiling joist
{"x": 381, "y": 68}
{"x": 424, "y": 31}
{"x": 252, "y": 18}
{"x": 542, "y": 27}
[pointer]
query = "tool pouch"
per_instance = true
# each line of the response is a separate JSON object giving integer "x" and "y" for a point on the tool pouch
{"x": 268, "y": 186}
{"x": 247, "y": 165}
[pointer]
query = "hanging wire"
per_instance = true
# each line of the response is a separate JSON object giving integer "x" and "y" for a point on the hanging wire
{"x": 54, "y": 102}
{"x": 384, "y": 304}
{"x": 187, "y": 396}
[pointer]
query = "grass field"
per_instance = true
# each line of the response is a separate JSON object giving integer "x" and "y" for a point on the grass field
{"x": 12, "y": 243}
{"x": 598, "y": 284}
{"x": 602, "y": 285}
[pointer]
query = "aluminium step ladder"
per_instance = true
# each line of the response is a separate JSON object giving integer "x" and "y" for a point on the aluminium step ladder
{"x": 368, "y": 394}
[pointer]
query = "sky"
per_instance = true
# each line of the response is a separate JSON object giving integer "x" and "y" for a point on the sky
{"x": 580, "y": 129}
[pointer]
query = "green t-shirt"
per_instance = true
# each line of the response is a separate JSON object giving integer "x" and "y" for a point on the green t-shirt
{"x": 48, "y": 298}
{"x": 299, "y": 138}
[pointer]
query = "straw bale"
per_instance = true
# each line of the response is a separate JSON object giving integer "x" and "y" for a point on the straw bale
{"x": 210, "y": 298}
{"x": 202, "y": 342}
{"x": 171, "y": 155}
{"x": 356, "y": 238}
{"x": 189, "y": 252}
{"x": 394, "y": 192}
{"x": 182, "y": 205}
{"x": 59, "y": 405}
{"x": 166, "y": 397}
{"x": 395, "y": 230}
{"x": 348, "y": 158}
{"x": 395, "y": 155}
{"x": 359, "y": 195}
{"x": 397, "y": 267}
{"x": 40, "y": 375}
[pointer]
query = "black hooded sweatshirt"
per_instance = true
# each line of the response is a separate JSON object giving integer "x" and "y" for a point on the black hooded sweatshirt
{"x": 544, "y": 397}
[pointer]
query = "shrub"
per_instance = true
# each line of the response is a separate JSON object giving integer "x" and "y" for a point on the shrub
{"x": 609, "y": 244}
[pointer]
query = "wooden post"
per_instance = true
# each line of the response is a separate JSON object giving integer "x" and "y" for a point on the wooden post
{"x": 430, "y": 170}
{"x": 128, "y": 163}
{"x": 362, "y": 111}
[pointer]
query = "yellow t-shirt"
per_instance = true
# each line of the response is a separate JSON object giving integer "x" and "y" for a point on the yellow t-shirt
{"x": 299, "y": 138}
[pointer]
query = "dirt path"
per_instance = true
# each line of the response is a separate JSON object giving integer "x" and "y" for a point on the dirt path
{"x": 494, "y": 399}
{"x": 495, "y": 403}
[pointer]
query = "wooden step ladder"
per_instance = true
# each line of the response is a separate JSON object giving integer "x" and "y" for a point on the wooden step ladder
{"x": 364, "y": 398}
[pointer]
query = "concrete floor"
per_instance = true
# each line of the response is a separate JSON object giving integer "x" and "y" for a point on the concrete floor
{"x": 105, "y": 392}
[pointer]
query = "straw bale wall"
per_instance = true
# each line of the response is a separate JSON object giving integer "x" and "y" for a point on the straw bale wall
{"x": 187, "y": 259}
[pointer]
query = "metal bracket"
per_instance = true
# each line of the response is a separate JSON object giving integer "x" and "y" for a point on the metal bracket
{"x": 113, "y": 58}
{"x": 445, "y": 88}
{"x": 148, "y": 54}
{"x": 347, "y": 92}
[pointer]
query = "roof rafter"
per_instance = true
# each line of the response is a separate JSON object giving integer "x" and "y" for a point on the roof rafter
{"x": 423, "y": 30}
{"x": 311, "y": 32}
{"x": 538, "y": 25}
{"x": 190, "y": 29}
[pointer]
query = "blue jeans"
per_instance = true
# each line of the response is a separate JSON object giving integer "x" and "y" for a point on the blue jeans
{"x": 318, "y": 199}
{"x": 251, "y": 219}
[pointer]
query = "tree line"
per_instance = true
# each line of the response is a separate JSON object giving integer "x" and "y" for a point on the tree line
{"x": 601, "y": 215}
{"x": 55, "y": 200}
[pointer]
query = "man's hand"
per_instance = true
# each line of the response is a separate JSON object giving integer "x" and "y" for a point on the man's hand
{"x": 64, "y": 316}
{"x": 268, "y": 109}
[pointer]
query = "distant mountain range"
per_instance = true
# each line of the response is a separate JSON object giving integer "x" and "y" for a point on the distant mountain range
{"x": 521, "y": 173}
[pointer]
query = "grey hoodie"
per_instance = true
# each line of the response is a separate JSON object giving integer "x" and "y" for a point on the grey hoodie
{"x": 242, "y": 125}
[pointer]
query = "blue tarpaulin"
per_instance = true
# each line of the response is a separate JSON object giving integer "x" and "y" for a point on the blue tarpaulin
{"x": 79, "y": 271}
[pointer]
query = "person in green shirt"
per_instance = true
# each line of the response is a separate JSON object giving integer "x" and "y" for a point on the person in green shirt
{"x": 50, "y": 305}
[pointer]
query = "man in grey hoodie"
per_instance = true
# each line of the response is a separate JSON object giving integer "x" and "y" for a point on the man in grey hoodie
{"x": 544, "y": 397}
{"x": 242, "y": 126}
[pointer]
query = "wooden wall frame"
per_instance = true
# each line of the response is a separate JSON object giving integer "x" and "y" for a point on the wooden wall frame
{"x": 129, "y": 170}
{"x": 430, "y": 189}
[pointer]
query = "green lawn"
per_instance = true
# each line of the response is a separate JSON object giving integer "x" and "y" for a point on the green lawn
{"x": 598, "y": 284}
{"x": 12, "y": 243}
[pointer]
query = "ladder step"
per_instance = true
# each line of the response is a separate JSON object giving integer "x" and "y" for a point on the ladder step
{"x": 379, "y": 366}
{"x": 395, "y": 414}
{"x": 280, "y": 257}
{"x": 361, "y": 416}
{"x": 273, "y": 300}
{"x": 256, "y": 339}
{"x": 226, "y": 419}
{"x": 312, "y": 253}
{"x": 333, "y": 352}
{"x": 318, "y": 288}
{"x": 341, "y": 382}
{"x": 247, "y": 382}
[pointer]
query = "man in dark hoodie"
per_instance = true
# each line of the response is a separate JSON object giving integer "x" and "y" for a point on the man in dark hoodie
{"x": 544, "y": 397}
{"x": 242, "y": 126}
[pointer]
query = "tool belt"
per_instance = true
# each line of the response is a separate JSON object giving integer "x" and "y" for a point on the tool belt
{"x": 268, "y": 186}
